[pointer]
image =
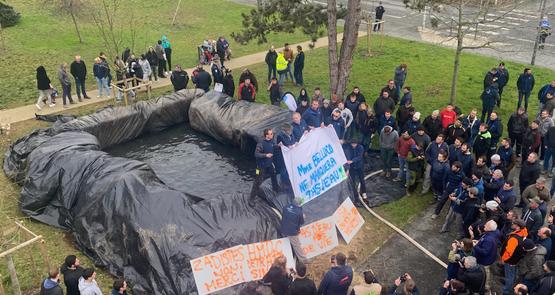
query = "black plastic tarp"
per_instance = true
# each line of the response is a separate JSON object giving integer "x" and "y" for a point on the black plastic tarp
{"x": 122, "y": 215}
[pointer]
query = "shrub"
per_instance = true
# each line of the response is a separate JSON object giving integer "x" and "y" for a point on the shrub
{"x": 8, "y": 16}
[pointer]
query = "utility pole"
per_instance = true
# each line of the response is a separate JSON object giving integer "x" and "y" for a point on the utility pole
{"x": 542, "y": 13}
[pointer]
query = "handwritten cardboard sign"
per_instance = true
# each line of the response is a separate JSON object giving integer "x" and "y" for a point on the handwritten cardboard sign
{"x": 348, "y": 220}
{"x": 220, "y": 270}
{"x": 315, "y": 164}
{"x": 259, "y": 256}
{"x": 318, "y": 237}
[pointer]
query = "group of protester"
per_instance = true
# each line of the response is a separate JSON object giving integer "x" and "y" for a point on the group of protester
{"x": 77, "y": 280}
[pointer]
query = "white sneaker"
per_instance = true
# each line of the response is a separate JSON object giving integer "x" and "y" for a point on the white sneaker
{"x": 98, "y": 96}
{"x": 52, "y": 105}
{"x": 38, "y": 106}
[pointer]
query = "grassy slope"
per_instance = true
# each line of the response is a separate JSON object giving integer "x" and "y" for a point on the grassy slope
{"x": 429, "y": 75}
{"x": 44, "y": 37}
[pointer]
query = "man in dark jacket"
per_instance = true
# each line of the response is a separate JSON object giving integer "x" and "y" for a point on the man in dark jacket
{"x": 119, "y": 287}
{"x": 502, "y": 79}
{"x": 495, "y": 128}
{"x": 533, "y": 218}
{"x": 380, "y": 10}
{"x": 179, "y": 78}
{"x": 302, "y": 285}
{"x": 529, "y": 171}
{"x": 490, "y": 96}
{"x": 532, "y": 140}
{"x": 291, "y": 221}
{"x": 383, "y": 103}
{"x": 51, "y": 286}
{"x": 202, "y": 79}
{"x": 482, "y": 142}
{"x": 270, "y": 60}
{"x": 355, "y": 161}
{"x": 432, "y": 125}
{"x": 338, "y": 124}
{"x": 222, "y": 47}
{"x": 337, "y": 280}
{"x": 391, "y": 88}
{"x": 264, "y": 154}
{"x": 72, "y": 271}
{"x": 542, "y": 93}
{"x": 313, "y": 116}
{"x": 517, "y": 125}
{"x": 490, "y": 78}
{"x": 358, "y": 94}
{"x": 546, "y": 285}
{"x": 472, "y": 275}
{"x": 229, "y": 84}
{"x": 452, "y": 182}
{"x": 78, "y": 70}
{"x": 299, "y": 66}
{"x": 525, "y": 85}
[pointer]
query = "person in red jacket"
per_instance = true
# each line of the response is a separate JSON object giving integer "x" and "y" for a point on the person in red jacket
{"x": 403, "y": 148}
{"x": 247, "y": 91}
{"x": 448, "y": 116}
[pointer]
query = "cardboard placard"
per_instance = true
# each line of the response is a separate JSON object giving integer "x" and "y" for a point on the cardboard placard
{"x": 318, "y": 237}
{"x": 348, "y": 220}
{"x": 259, "y": 256}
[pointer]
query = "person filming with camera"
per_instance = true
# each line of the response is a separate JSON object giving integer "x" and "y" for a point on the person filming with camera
{"x": 408, "y": 286}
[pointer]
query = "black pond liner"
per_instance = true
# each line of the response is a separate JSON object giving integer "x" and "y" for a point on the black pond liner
{"x": 123, "y": 215}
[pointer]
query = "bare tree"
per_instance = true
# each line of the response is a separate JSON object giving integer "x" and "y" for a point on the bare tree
{"x": 105, "y": 15}
{"x": 467, "y": 21}
{"x": 73, "y": 8}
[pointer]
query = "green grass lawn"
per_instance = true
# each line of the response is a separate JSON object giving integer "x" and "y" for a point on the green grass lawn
{"x": 46, "y": 37}
{"x": 429, "y": 76}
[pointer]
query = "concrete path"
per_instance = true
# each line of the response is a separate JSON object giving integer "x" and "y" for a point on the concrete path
{"x": 23, "y": 113}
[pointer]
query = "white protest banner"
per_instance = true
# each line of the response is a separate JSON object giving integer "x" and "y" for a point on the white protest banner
{"x": 315, "y": 164}
{"x": 318, "y": 237}
{"x": 220, "y": 270}
{"x": 260, "y": 256}
{"x": 348, "y": 220}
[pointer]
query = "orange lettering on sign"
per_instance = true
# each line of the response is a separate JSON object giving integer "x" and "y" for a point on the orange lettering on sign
{"x": 260, "y": 257}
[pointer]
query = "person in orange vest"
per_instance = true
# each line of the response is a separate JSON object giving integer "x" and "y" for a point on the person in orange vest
{"x": 512, "y": 252}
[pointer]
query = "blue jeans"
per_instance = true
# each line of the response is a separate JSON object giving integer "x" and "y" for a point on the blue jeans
{"x": 403, "y": 169}
{"x": 399, "y": 85}
{"x": 510, "y": 275}
{"x": 522, "y": 95}
{"x": 282, "y": 76}
{"x": 103, "y": 86}
{"x": 271, "y": 73}
{"x": 549, "y": 156}
{"x": 298, "y": 76}
{"x": 290, "y": 72}
{"x": 80, "y": 87}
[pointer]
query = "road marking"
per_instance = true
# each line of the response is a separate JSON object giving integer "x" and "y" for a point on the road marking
{"x": 526, "y": 40}
{"x": 394, "y": 16}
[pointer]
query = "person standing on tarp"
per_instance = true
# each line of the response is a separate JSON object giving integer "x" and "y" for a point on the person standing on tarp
{"x": 291, "y": 222}
{"x": 264, "y": 154}
{"x": 355, "y": 161}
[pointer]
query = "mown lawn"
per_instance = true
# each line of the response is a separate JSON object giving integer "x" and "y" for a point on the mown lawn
{"x": 429, "y": 75}
{"x": 46, "y": 37}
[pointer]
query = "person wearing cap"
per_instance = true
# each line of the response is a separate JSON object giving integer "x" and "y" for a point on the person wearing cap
{"x": 537, "y": 189}
{"x": 291, "y": 221}
{"x": 455, "y": 131}
{"x": 370, "y": 285}
{"x": 533, "y": 218}
{"x": 531, "y": 141}
{"x": 529, "y": 171}
{"x": 546, "y": 285}
{"x": 506, "y": 197}
{"x": 228, "y": 83}
{"x": 72, "y": 271}
{"x": 544, "y": 239}
{"x": 51, "y": 285}
{"x": 355, "y": 161}
{"x": 352, "y": 104}
{"x": 432, "y": 125}
{"x": 530, "y": 267}
{"x": 388, "y": 141}
{"x": 458, "y": 199}
{"x": 404, "y": 114}
{"x": 87, "y": 283}
{"x": 402, "y": 148}
{"x": 507, "y": 154}
{"x": 512, "y": 252}
{"x": 420, "y": 136}
{"x": 413, "y": 124}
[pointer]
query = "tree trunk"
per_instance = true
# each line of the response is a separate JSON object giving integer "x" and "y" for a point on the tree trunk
{"x": 458, "y": 52}
{"x": 348, "y": 46}
{"x": 76, "y": 26}
{"x": 332, "y": 45}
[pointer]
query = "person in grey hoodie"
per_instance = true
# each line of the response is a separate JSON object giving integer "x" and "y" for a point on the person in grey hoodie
{"x": 51, "y": 285}
{"x": 87, "y": 283}
{"x": 66, "y": 85}
{"x": 388, "y": 141}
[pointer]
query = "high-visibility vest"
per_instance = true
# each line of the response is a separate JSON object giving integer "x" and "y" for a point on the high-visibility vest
{"x": 281, "y": 62}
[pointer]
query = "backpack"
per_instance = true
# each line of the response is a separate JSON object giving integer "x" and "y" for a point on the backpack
{"x": 518, "y": 253}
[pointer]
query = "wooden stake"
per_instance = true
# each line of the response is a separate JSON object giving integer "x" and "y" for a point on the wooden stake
{"x": 13, "y": 275}
{"x": 175, "y": 14}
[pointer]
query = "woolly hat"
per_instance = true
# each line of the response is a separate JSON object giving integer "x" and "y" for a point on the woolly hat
{"x": 528, "y": 245}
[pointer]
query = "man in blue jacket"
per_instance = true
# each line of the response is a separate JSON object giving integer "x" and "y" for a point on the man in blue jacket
{"x": 502, "y": 80}
{"x": 355, "y": 162}
{"x": 291, "y": 221}
{"x": 284, "y": 138}
{"x": 490, "y": 96}
{"x": 264, "y": 155}
{"x": 299, "y": 126}
{"x": 453, "y": 179}
{"x": 313, "y": 116}
{"x": 338, "y": 124}
{"x": 542, "y": 93}
{"x": 525, "y": 85}
{"x": 337, "y": 280}
{"x": 485, "y": 249}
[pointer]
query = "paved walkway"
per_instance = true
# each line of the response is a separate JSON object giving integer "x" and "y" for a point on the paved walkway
{"x": 23, "y": 113}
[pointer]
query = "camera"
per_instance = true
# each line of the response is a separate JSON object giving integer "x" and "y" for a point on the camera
{"x": 403, "y": 278}
{"x": 332, "y": 259}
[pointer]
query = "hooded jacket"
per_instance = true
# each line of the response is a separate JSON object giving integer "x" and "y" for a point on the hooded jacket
{"x": 71, "y": 279}
{"x": 388, "y": 140}
{"x": 63, "y": 77}
{"x": 49, "y": 287}
{"x": 336, "y": 281}
{"x": 86, "y": 288}
{"x": 271, "y": 57}
{"x": 530, "y": 267}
